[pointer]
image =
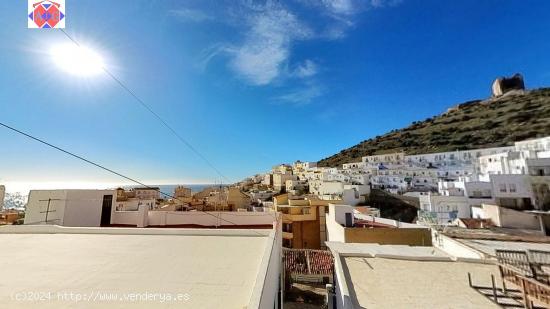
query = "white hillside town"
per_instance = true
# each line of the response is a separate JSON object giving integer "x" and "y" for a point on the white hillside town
{"x": 260, "y": 154}
{"x": 449, "y": 185}
{"x": 465, "y": 211}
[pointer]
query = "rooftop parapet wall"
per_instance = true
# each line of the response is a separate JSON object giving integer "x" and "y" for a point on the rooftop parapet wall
{"x": 388, "y": 236}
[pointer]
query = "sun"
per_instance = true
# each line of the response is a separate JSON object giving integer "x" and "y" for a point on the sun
{"x": 77, "y": 60}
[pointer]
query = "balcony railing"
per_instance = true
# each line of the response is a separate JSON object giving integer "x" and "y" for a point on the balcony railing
{"x": 299, "y": 217}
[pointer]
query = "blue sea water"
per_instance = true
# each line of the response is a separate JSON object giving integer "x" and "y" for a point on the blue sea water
{"x": 169, "y": 189}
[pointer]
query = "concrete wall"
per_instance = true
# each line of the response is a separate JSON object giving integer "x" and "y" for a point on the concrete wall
{"x": 338, "y": 212}
{"x": 84, "y": 207}
{"x": 211, "y": 218}
{"x": 67, "y": 207}
{"x": 330, "y": 187}
{"x": 389, "y": 236}
{"x": 335, "y": 231}
{"x": 402, "y": 234}
{"x": 508, "y": 218}
{"x": 125, "y": 217}
{"x": 265, "y": 294}
{"x": 454, "y": 248}
{"x": 343, "y": 298}
{"x": 37, "y": 205}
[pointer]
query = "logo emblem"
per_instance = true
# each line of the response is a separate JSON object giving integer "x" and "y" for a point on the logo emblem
{"x": 46, "y": 14}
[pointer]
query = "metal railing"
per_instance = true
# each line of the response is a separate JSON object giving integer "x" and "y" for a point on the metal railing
{"x": 529, "y": 270}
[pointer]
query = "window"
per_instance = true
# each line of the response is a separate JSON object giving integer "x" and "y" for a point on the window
{"x": 512, "y": 187}
{"x": 287, "y": 227}
{"x": 287, "y": 243}
{"x": 502, "y": 187}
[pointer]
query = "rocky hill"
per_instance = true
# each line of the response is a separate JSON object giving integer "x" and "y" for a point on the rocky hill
{"x": 482, "y": 123}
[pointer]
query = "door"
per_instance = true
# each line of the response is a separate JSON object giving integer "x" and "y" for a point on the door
{"x": 106, "y": 210}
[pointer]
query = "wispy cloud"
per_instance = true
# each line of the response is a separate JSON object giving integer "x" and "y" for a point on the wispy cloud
{"x": 340, "y": 6}
{"x": 350, "y": 7}
{"x": 342, "y": 14}
{"x": 193, "y": 15}
{"x": 306, "y": 69}
{"x": 268, "y": 30}
{"x": 261, "y": 57}
{"x": 301, "y": 96}
{"x": 384, "y": 3}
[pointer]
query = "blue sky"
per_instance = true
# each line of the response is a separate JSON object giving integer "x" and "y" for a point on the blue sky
{"x": 249, "y": 83}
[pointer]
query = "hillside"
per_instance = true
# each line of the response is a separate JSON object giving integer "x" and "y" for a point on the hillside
{"x": 475, "y": 124}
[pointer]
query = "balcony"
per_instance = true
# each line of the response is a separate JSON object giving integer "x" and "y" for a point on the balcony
{"x": 293, "y": 213}
{"x": 302, "y": 217}
{"x": 295, "y": 218}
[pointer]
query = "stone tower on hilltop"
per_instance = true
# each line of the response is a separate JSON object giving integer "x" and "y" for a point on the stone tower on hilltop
{"x": 503, "y": 85}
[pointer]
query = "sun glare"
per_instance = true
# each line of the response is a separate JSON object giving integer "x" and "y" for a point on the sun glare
{"x": 77, "y": 60}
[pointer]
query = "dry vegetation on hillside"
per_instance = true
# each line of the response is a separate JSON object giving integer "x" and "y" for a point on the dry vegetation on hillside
{"x": 475, "y": 124}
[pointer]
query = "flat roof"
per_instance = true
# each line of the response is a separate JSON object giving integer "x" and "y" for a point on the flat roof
{"x": 210, "y": 268}
{"x": 393, "y": 283}
{"x": 399, "y": 276}
{"x": 489, "y": 246}
{"x": 395, "y": 251}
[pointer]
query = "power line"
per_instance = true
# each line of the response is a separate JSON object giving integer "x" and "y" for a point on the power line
{"x": 159, "y": 118}
{"x": 103, "y": 168}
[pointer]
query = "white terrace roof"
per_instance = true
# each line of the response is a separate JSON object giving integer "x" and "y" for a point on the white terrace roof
{"x": 394, "y": 283}
{"x": 209, "y": 268}
{"x": 396, "y": 276}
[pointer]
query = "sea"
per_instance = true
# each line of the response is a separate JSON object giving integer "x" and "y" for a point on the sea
{"x": 169, "y": 189}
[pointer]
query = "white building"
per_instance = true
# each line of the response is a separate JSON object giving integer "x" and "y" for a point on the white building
{"x": 132, "y": 204}
{"x": 281, "y": 169}
{"x": 354, "y": 166}
{"x": 303, "y": 166}
{"x": 183, "y": 192}
{"x": 362, "y": 179}
{"x": 279, "y": 181}
{"x": 296, "y": 186}
{"x": 70, "y": 207}
{"x": 534, "y": 222}
{"x": 454, "y": 157}
{"x": 385, "y": 158}
{"x": 537, "y": 144}
{"x": 441, "y": 209}
{"x": 523, "y": 192}
{"x": 261, "y": 195}
{"x": 147, "y": 193}
{"x": 2, "y": 196}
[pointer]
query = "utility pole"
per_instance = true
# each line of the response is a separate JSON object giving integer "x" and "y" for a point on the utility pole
{"x": 47, "y": 212}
